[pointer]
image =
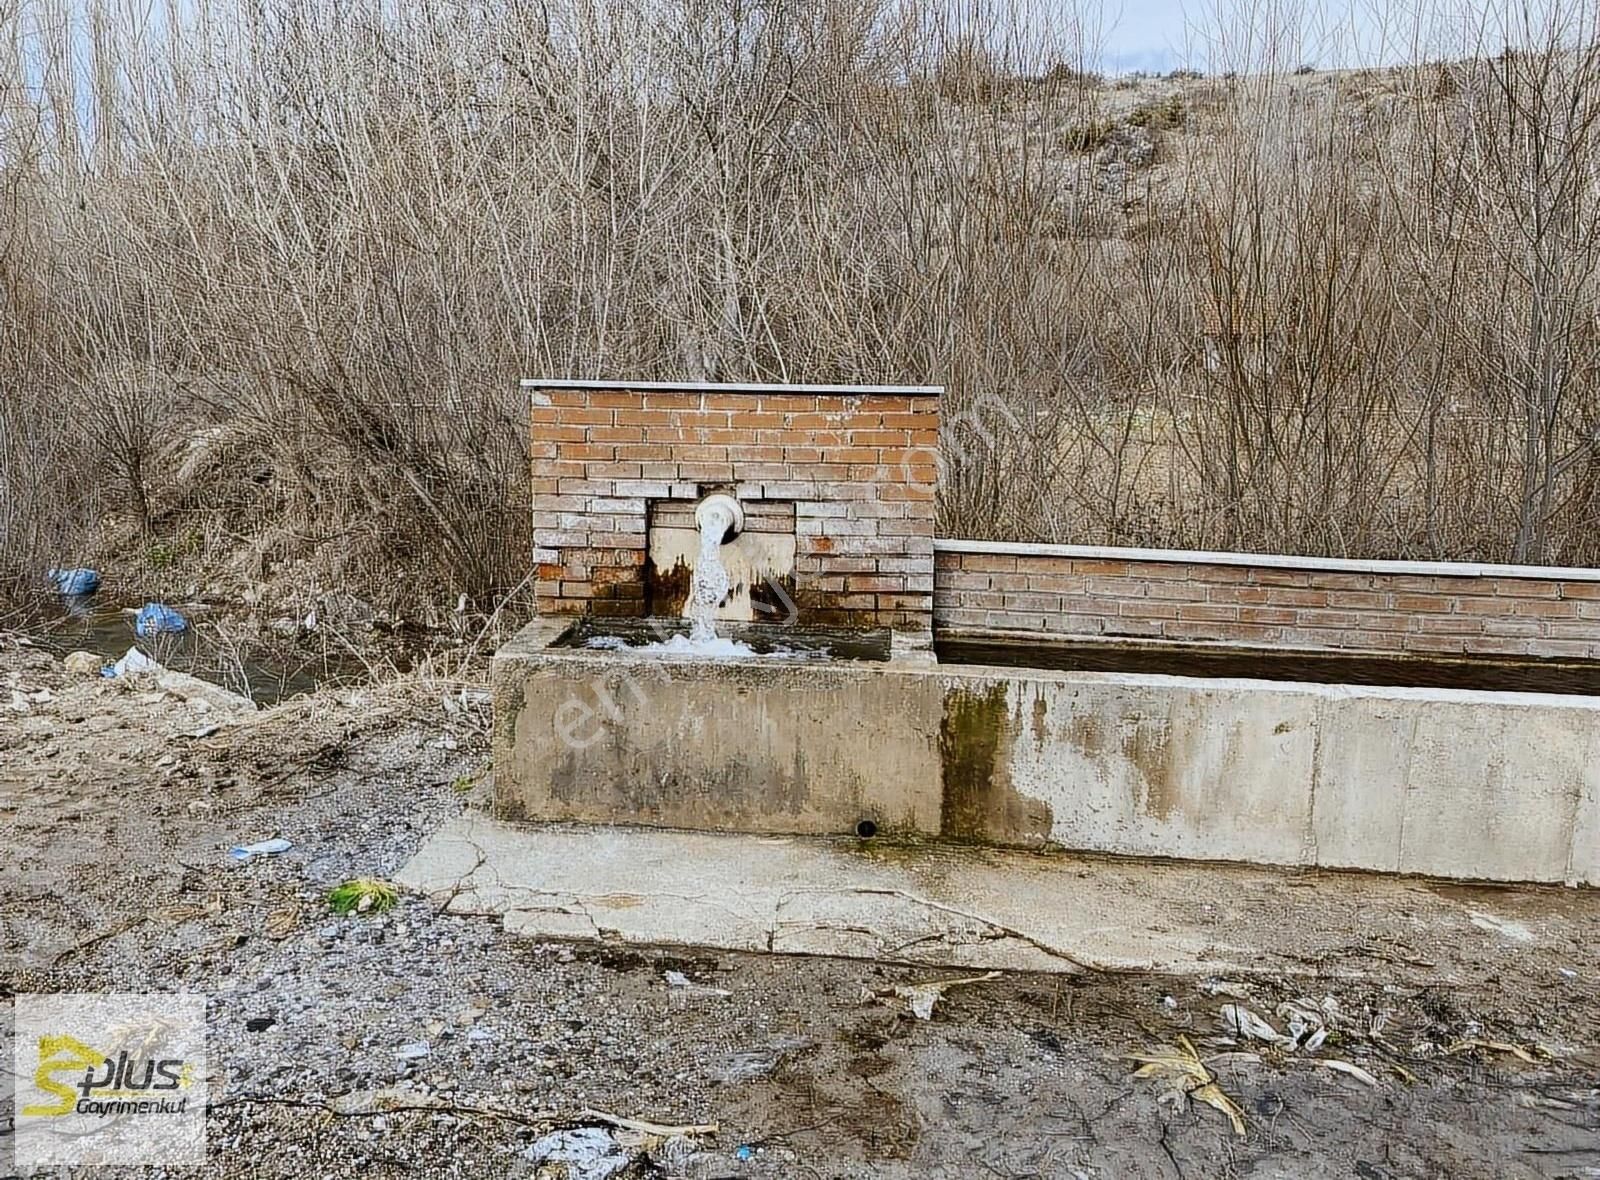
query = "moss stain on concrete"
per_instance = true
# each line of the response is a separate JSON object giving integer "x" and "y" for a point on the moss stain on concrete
{"x": 1041, "y": 714}
{"x": 980, "y": 804}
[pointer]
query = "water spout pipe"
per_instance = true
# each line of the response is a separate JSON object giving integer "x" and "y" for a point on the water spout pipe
{"x": 719, "y": 508}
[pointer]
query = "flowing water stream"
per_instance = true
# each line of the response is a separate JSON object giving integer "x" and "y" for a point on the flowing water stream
{"x": 709, "y": 583}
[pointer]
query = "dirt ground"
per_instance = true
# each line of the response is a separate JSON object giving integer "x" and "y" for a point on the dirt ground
{"x": 433, "y": 1044}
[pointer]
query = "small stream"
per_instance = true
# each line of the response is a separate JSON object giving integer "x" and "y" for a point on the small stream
{"x": 218, "y": 646}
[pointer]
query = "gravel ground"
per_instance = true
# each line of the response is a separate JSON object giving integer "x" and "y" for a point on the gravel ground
{"x": 421, "y": 1043}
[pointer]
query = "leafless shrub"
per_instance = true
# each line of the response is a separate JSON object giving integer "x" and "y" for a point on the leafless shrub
{"x": 278, "y": 266}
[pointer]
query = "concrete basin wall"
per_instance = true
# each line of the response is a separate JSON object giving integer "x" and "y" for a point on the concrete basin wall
{"x": 1495, "y": 786}
{"x": 808, "y": 747}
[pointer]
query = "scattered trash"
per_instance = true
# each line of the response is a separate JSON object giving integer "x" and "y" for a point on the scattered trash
{"x": 363, "y": 895}
{"x": 1224, "y": 987}
{"x": 81, "y": 663}
{"x": 155, "y": 618}
{"x": 589, "y": 1153}
{"x": 744, "y": 1152}
{"x": 187, "y": 911}
{"x": 599, "y": 1152}
{"x": 259, "y": 1023}
{"x": 415, "y": 1051}
{"x": 1187, "y": 1078}
{"x": 1354, "y": 1071}
{"x": 681, "y": 982}
{"x": 444, "y": 743}
{"x": 135, "y": 663}
{"x": 921, "y": 998}
{"x": 1533, "y": 1055}
{"x": 1309, "y": 1023}
{"x": 1567, "y": 973}
{"x": 1505, "y": 927}
{"x": 74, "y": 583}
{"x": 243, "y": 852}
{"x": 204, "y": 731}
{"x": 466, "y": 700}
{"x": 1241, "y": 1022}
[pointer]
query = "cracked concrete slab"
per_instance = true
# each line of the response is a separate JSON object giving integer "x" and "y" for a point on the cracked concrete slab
{"x": 929, "y": 904}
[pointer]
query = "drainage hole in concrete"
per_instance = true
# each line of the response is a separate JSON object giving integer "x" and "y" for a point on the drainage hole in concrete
{"x": 866, "y": 829}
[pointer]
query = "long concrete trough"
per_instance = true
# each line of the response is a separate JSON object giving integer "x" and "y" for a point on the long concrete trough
{"x": 1442, "y": 782}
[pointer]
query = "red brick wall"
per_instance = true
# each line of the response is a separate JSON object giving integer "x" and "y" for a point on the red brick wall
{"x": 858, "y": 466}
{"x": 1384, "y": 607}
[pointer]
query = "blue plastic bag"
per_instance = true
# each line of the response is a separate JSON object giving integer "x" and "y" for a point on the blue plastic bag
{"x": 156, "y": 618}
{"x": 74, "y": 582}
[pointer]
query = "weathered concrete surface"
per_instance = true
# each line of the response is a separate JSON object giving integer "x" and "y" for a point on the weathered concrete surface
{"x": 976, "y": 908}
{"x": 1475, "y": 785}
{"x": 760, "y": 746}
{"x": 1487, "y": 786}
{"x": 1153, "y": 767}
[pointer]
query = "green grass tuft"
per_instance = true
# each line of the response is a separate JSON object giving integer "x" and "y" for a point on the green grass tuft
{"x": 363, "y": 895}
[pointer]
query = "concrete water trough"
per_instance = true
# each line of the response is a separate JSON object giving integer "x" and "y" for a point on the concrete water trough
{"x": 874, "y": 681}
{"x": 1453, "y": 783}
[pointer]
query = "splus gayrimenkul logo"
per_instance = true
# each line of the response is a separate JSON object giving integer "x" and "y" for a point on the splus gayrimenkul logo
{"x": 108, "y": 1085}
{"x": 110, "y": 1078}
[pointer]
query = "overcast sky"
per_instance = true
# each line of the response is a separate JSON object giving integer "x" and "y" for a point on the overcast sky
{"x": 1157, "y": 36}
{"x": 1161, "y": 35}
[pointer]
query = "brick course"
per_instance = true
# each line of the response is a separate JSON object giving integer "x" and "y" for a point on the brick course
{"x": 1374, "y": 610}
{"x": 857, "y": 467}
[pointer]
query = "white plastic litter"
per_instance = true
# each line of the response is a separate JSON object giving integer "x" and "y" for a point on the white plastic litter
{"x": 261, "y": 848}
{"x": 135, "y": 663}
{"x": 921, "y": 998}
{"x": 681, "y": 982}
{"x": 1355, "y": 1071}
{"x": 1240, "y": 1021}
{"x": 590, "y": 1153}
{"x": 1309, "y": 1022}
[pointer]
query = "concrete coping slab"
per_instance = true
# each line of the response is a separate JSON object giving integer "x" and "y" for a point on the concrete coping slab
{"x": 1436, "y": 569}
